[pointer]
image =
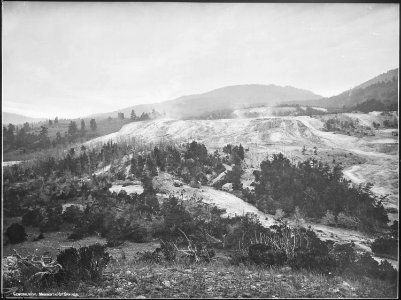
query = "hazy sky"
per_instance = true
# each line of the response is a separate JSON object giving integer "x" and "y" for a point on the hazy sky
{"x": 75, "y": 59}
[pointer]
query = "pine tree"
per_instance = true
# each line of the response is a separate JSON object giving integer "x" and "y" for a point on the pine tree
{"x": 147, "y": 182}
{"x": 20, "y": 138}
{"x": 173, "y": 160}
{"x": 140, "y": 165}
{"x": 241, "y": 152}
{"x": 133, "y": 115}
{"x": 43, "y": 138}
{"x": 10, "y": 138}
{"x": 59, "y": 138}
{"x": 151, "y": 165}
{"x": 234, "y": 176}
{"x": 72, "y": 129}
{"x": 93, "y": 124}
{"x": 133, "y": 169}
{"x": 83, "y": 129}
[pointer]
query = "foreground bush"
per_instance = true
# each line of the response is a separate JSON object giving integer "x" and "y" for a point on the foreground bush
{"x": 52, "y": 220}
{"x": 16, "y": 233}
{"x": 264, "y": 254}
{"x": 85, "y": 263}
{"x": 32, "y": 218}
{"x": 385, "y": 247}
{"x": 72, "y": 266}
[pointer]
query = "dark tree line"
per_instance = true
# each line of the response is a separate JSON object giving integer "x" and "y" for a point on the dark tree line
{"x": 144, "y": 116}
{"x": 315, "y": 188}
{"x": 24, "y": 138}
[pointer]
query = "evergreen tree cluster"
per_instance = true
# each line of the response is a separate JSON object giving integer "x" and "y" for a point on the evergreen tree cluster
{"x": 316, "y": 188}
{"x": 145, "y": 115}
{"x": 25, "y": 139}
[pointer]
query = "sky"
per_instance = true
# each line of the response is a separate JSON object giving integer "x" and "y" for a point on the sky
{"x": 76, "y": 59}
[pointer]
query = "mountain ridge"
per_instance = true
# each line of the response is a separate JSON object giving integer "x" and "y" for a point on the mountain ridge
{"x": 17, "y": 119}
{"x": 228, "y": 97}
{"x": 383, "y": 88}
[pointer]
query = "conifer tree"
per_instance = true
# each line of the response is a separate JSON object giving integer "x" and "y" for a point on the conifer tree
{"x": 93, "y": 124}
{"x": 83, "y": 129}
{"x": 133, "y": 115}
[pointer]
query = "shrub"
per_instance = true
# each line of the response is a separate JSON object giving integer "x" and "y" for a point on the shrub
{"x": 175, "y": 216}
{"x": 365, "y": 266}
{"x": 39, "y": 237}
{"x": 169, "y": 251}
{"x": 264, "y": 254}
{"x": 32, "y": 218}
{"x": 329, "y": 218}
{"x": 279, "y": 215}
{"x": 239, "y": 257}
{"x": 346, "y": 221}
{"x": 385, "y": 246}
{"x": 85, "y": 263}
{"x": 124, "y": 230}
{"x": 312, "y": 253}
{"x": 50, "y": 224}
{"x": 149, "y": 256}
{"x": 120, "y": 175}
{"x": 16, "y": 233}
{"x": 76, "y": 235}
{"x": 72, "y": 214}
{"x": 53, "y": 219}
{"x": 394, "y": 229}
{"x": 136, "y": 233}
{"x": 344, "y": 255}
{"x": 261, "y": 253}
{"x": 387, "y": 271}
{"x": 113, "y": 242}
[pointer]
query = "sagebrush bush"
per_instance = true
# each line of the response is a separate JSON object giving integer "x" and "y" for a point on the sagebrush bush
{"x": 346, "y": 221}
{"x": 85, "y": 263}
{"x": 329, "y": 219}
{"x": 169, "y": 251}
{"x": 16, "y": 233}
{"x": 386, "y": 246}
{"x": 72, "y": 214}
{"x": 239, "y": 257}
{"x": 344, "y": 255}
{"x": 262, "y": 254}
{"x": 52, "y": 220}
{"x": 32, "y": 218}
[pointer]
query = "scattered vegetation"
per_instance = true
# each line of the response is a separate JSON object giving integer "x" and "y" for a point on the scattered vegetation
{"x": 190, "y": 232}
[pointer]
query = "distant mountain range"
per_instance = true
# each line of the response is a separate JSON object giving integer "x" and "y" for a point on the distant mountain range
{"x": 230, "y": 97}
{"x": 18, "y": 119}
{"x": 382, "y": 88}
